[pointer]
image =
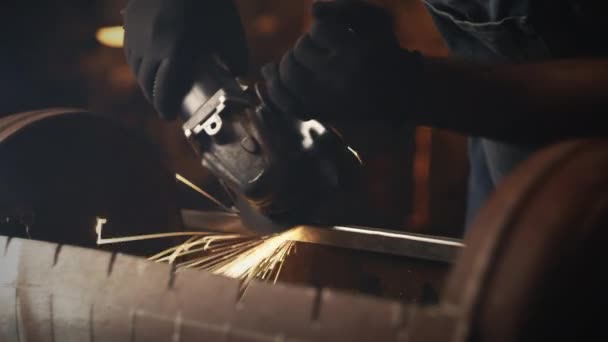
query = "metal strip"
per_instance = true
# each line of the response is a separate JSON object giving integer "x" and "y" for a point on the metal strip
{"x": 383, "y": 241}
{"x": 427, "y": 247}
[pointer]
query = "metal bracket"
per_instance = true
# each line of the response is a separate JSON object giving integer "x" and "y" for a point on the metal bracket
{"x": 207, "y": 117}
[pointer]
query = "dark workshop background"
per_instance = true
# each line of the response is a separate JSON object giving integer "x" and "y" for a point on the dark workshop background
{"x": 415, "y": 177}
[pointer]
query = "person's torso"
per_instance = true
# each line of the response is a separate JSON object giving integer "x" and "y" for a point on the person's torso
{"x": 515, "y": 31}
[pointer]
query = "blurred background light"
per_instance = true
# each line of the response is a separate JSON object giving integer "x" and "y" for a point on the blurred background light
{"x": 112, "y": 36}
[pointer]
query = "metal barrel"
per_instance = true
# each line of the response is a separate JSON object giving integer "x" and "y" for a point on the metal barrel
{"x": 61, "y": 169}
{"x": 535, "y": 257}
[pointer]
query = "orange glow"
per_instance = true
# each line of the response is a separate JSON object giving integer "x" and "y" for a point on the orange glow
{"x": 111, "y": 36}
{"x": 422, "y": 169}
{"x": 266, "y": 24}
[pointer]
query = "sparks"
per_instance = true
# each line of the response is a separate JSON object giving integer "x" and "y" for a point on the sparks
{"x": 205, "y": 194}
{"x": 356, "y": 154}
{"x": 267, "y": 254}
{"x": 232, "y": 255}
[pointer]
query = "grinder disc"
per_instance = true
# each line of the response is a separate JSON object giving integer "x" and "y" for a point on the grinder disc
{"x": 255, "y": 222}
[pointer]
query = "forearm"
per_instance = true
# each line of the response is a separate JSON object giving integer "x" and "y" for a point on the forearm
{"x": 526, "y": 104}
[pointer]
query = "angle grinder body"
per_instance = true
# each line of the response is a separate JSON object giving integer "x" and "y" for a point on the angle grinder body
{"x": 279, "y": 170}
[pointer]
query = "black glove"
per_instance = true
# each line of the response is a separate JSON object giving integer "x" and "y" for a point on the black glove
{"x": 348, "y": 66}
{"x": 164, "y": 39}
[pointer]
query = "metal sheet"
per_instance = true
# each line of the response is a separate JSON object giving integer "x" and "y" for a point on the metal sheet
{"x": 419, "y": 246}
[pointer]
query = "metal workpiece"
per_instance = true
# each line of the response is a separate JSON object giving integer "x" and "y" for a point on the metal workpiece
{"x": 427, "y": 247}
{"x": 383, "y": 241}
{"x": 215, "y": 221}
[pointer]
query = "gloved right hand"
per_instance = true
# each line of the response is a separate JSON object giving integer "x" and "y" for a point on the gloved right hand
{"x": 348, "y": 66}
{"x": 164, "y": 39}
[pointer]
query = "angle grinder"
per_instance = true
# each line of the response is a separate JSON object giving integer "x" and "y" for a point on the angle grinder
{"x": 280, "y": 171}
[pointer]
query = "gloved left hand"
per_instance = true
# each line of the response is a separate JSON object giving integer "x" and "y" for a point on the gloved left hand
{"x": 165, "y": 39}
{"x": 349, "y": 66}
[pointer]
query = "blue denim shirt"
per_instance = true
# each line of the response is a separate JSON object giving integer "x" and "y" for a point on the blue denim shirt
{"x": 509, "y": 31}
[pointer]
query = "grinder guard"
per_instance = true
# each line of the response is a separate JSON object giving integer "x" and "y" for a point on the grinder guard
{"x": 280, "y": 171}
